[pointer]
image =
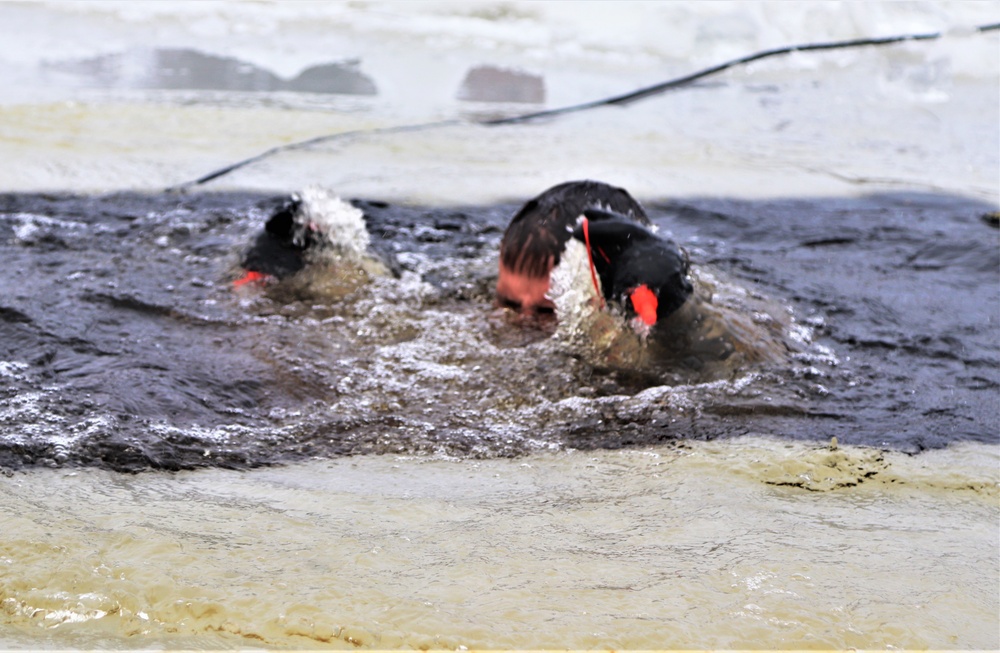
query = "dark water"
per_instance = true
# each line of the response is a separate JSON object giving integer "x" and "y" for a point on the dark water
{"x": 124, "y": 344}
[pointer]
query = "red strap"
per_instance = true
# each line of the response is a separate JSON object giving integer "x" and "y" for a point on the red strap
{"x": 590, "y": 259}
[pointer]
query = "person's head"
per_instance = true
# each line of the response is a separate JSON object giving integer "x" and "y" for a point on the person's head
{"x": 537, "y": 234}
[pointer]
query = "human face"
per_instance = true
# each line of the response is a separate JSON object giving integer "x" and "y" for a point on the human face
{"x": 523, "y": 293}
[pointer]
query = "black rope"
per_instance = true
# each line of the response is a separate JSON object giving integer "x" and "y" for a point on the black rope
{"x": 623, "y": 99}
{"x": 313, "y": 141}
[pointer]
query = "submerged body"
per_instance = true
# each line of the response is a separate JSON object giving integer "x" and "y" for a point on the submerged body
{"x": 718, "y": 332}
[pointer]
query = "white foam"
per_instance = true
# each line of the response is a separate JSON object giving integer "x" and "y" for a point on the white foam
{"x": 29, "y": 228}
{"x": 341, "y": 224}
{"x": 572, "y": 290}
{"x": 12, "y": 369}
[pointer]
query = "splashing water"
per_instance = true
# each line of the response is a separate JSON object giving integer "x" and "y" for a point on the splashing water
{"x": 339, "y": 224}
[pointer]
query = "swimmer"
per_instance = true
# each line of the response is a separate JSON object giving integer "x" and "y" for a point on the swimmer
{"x": 538, "y": 233}
{"x": 648, "y": 308}
{"x": 280, "y": 250}
{"x": 317, "y": 242}
{"x": 642, "y": 273}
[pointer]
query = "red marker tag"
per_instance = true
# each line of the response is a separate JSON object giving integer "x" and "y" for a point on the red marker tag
{"x": 644, "y": 302}
{"x": 251, "y": 277}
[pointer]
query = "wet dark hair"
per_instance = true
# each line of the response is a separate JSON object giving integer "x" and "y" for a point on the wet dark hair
{"x": 537, "y": 234}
